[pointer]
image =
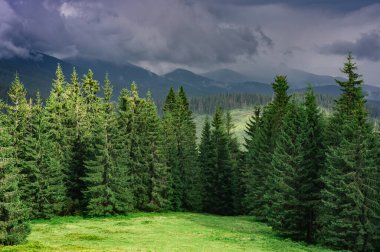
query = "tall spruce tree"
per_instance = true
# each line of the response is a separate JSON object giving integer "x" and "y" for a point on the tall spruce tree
{"x": 122, "y": 203}
{"x": 207, "y": 165}
{"x": 313, "y": 167}
{"x": 181, "y": 152}
{"x": 159, "y": 182}
{"x": 50, "y": 198}
{"x": 259, "y": 155}
{"x": 287, "y": 213}
{"x": 76, "y": 155}
{"x": 350, "y": 206}
{"x": 99, "y": 165}
{"x": 238, "y": 169}
{"x": 223, "y": 166}
{"x": 170, "y": 122}
{"x": 136, "y": 130}
{"x": 188, "y": 153}
{"x": 14, "y": 227}
{"x": 248, "y": 156}
{"x": 19, "y": 115}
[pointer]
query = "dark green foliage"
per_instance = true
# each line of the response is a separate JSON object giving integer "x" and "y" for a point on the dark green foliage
{"x": 238, "y": 174}
{"x": 248, "y": 158}
{"x": 19, "y": 115}
{"x": 218, "y": 158}
{"x": 187, "y": 154}
{"x": 79, "y": 153}
{"x": 287, "y": 213}
{"x": 208, "y": 169}
{"x": 13, "y": 213}
{"x": 159, "y": 182}
{"x": 297, "y": 162}
{"x": 223, "y": 166}
{"x": 181, "y": 152}
{"x": 142, "y": 140}
{"x": 103, "y": 171}
{"x": 76, "y": 155}
{"x": 313, "y": 167}
{"x": 350, "y": 207}
{"x": 259, "y": 154}
{"x": 55, "y": 160}
{"x": 131, "y": 122}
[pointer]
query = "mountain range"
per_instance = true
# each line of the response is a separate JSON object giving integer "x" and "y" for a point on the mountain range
{"x": 38, "y": 70}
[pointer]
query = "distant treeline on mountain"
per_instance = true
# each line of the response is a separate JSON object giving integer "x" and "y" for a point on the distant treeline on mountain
{"x": 209, "y": 104}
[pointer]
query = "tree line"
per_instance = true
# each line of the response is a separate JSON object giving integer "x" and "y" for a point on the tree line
{"x": 316, "y": 178}
{"x": 228, "y": 101}
{"x": 312, "y": 177}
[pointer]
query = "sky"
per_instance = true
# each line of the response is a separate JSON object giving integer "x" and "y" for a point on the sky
{"x": 248, "y": 36}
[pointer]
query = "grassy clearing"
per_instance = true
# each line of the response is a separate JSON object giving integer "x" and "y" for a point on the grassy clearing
{"x": 240, "y": 118}
{"x": 156, "y": 232}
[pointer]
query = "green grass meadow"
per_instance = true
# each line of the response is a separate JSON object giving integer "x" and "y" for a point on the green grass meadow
{"x": 240, "y": 117}
{"x": 156, "y": 232}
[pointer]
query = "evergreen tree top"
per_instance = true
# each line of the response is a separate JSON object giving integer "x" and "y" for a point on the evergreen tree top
{"x": 108, "y": 90}
{"x": 217, "y": 121}
{"x": 170, "y": 101}
{"x": 134, "y": 91}
{"x": 90, "y": 86}
{"x": 183, "y": 99}
{"x": 74, "y": 79}
{"x": 17, "y": 91}
{"x": 59, "y": 81}
{"x": 280, "y": 87}
{"x": 352, "y": 99}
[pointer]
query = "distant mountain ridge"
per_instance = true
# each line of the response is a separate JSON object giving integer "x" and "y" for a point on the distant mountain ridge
{"x": 226, "y": 75}
{"x": 38, "y": 71}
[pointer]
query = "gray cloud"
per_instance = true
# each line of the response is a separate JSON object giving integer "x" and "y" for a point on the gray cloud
{"x": 366, "y": 47}
{"x": 322, "y": 4}
{"x": 171, "y": 31}
{"x": 197, "y": 34}
{"x": 10, "y": 26}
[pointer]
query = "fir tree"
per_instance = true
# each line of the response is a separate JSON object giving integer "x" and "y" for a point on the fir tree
{"x": 136, "y": 129}
{"x": 188, "y": 153}
{"x": 75, "y": 131}
{"x": 238, "y": 169}
{"x": 13, "y": 213}
{"x": 223, "y": 166}
{"x": 56, "y": 140}
{"x": 51, "y": 198}
{"x": 287, "y": 213}
{"x": 19, "y": 114}
{"x": 101, "y": 164}
{"x": 259, "y": 155}
{"x": 181, "y": 152}
{"x": 159, "y": 183}
{"x": 122, "y": 203}
{"x": 207, "y": 165}
{"x": 313, "y": 167}
{"x": 349, "y": 209}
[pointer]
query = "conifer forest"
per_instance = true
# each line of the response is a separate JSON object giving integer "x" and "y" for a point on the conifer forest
{"x": 312, "y": 176}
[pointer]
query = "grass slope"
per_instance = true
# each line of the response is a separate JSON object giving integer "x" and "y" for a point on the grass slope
{"x": 240, "y": 117}
{"x": 156, "y": 232}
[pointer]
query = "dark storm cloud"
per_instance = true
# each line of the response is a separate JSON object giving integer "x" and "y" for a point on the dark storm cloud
{"x": 149, "y": 30}
{"x": 10, "y": 34}
{"x": 335, "y": 5}
{"x": 33, "y": 25}
{"x": 200, "y": 34}
{"x": 366, "y": 47}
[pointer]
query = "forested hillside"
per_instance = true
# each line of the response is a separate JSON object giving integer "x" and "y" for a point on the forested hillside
{"x": 313, "y": 177}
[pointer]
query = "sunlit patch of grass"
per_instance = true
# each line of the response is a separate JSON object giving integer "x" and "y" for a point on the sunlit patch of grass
{"x": 157, "y": 232}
